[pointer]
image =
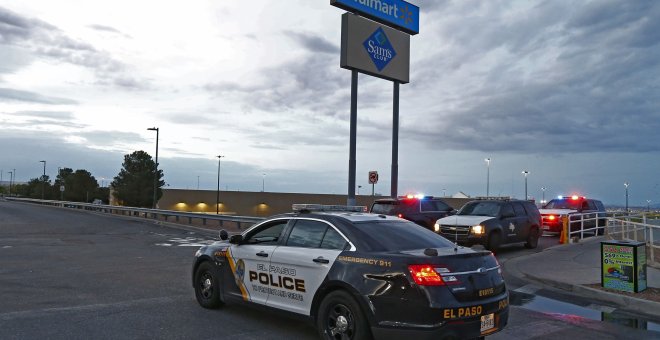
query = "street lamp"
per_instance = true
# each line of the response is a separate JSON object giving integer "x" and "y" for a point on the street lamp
{"x": 525, "y": 172}
{"x": 156, "y": 170}
{"x": 359, "y": 187}
{"x": 197, "y": 182}
{"x": 263, "y": 182}
{"x": 648, "y": 205}
{"x": 543, "y": 195}
{"x": 626, "y": 184}
{"x": 11, "y": 178}
{"x": 217, "y": 192}
{"x": 43, "y": 181}
{"x": 444, "y": 192}
{"x": 487, "y": 177}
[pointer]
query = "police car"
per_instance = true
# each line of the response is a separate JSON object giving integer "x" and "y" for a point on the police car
{"x": 580, "y": 207}
{"x": 356, "y": 275}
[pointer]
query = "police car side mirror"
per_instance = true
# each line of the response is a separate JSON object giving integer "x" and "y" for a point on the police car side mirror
{"x": 236, "y": 239}
{"x": 224, "y": 235}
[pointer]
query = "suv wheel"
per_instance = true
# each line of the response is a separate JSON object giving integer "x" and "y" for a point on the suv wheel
{"x": 533, "y": 238}
{"x": 494, "y": 240}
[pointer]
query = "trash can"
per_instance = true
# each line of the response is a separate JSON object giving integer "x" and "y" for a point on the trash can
{"x": 623, "y": 265}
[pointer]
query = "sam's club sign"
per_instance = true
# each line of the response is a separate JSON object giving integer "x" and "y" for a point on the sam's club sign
{"x": 379, "y": 48}
{"x": 374, "y": 49}
{"x": 396, "y": 13}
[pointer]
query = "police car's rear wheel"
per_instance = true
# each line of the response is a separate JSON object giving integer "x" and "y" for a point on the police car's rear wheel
{"x": 207, "y": 286}
{"x": 340, "y": 317}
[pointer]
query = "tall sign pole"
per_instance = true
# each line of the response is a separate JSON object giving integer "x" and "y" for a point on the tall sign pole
{"x": 395, "y": 142}
{"x": 375, "y": 40}
{"x": 353, "y": 137}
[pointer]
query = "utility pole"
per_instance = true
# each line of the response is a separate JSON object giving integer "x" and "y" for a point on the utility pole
{"x": 217, "y": 192}
{"x": 153, "y": 206}
{"x": 43, "y": 181}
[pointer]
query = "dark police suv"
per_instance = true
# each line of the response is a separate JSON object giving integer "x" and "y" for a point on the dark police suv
{"x": 423, "y": 210}
{"x": 356, "y": 276}
{"x": 492, "y": 223}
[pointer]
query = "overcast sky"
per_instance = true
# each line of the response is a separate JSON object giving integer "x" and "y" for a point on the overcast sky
{"x": 568, "y": 90}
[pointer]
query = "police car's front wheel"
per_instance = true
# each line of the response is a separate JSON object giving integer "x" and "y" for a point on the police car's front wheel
{"x": 340, "y": 317}
{"x": 207, "y": 286}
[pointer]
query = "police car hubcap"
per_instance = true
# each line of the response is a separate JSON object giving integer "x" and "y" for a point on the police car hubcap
{"x": 340, "y": 322}
{"x": 207, "y": 286}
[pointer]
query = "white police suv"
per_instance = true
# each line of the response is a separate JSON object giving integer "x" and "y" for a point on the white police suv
{"x": 356, "y": 276}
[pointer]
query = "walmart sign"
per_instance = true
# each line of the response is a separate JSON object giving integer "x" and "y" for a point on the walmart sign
{"x": 395, "y": 13}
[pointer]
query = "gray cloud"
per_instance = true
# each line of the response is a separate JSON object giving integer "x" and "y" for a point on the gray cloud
{"x": 32, "y": 97}
{"x": 561, "y": 78}
{"x": 110, "y": 138}
{"x": 312, "y": 42}
{"x": 48, "y": 41}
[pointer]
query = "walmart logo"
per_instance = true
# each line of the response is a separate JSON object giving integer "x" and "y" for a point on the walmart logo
{"x": 379, "y": 49}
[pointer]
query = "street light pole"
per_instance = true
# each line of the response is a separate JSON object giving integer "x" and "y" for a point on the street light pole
{"x": 648, "y": 205}
{"x": 11, "y": 178}
{"x": 156, "y": 171}
{"x": 263, "y": 182}
{"x": 487, "y": 177}
{"x": 543, "y": 195}
{"x": 626, "y": 184}
{"x": 43, "y": 181}
{"x": 525, "y": 172}
{"x": 217, "y": 192}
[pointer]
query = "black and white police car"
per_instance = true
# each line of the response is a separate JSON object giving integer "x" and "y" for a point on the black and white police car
{"x": 356, "y": 275}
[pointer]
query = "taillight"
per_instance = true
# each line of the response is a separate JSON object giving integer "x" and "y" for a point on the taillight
{"x": 400, "y": 215}
{"x": 428, "y": 275}
{"x": 552, "y": 217}
{"x": 425, "y": 275}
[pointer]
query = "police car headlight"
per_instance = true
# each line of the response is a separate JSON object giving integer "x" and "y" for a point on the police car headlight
{"x": 436, "y": 227}
{"x": 478, "y": 229}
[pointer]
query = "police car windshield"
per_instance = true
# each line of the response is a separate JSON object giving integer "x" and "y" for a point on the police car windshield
{"x": 563, "y": 204}
{"x": 400, "y": 235}
{"x": 480, "y": 209}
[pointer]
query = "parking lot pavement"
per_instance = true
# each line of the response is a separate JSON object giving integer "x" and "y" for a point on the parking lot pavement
{"x": 573, "y": 268}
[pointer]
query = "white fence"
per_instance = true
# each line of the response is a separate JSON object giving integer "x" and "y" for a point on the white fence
{"x": 636, "y": 228}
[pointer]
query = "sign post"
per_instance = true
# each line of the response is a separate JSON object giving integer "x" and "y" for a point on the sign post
{"x": 373, "y": 179}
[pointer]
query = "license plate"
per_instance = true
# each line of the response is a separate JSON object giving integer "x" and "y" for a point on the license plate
{"x": 545, "y": 227}
{"x": 487, "y": 322}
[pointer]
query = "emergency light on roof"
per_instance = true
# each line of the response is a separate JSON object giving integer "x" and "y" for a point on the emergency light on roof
{"x": 417, "y": 196}
{"x": 324, "y": 207}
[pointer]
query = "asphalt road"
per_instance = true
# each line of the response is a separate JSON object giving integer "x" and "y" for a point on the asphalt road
{"x": 68, "y": 274}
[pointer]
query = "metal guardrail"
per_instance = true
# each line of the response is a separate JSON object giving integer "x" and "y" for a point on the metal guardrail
{"x": 241, "y": 222}
{"x": 636, "y": 228}
{"x": 585, "y": 223}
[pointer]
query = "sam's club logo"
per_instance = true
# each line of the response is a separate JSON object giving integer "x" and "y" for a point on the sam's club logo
{"x": 379, "y": 49}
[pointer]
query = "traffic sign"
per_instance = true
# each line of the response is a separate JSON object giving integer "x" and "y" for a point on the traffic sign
{"x": 373, "y": 177}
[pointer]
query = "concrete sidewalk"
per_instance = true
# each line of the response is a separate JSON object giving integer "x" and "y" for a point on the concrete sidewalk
{"x": 572, "y": 267}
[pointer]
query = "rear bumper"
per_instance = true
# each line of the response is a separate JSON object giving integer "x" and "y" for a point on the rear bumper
{"x": 453, "y": 329}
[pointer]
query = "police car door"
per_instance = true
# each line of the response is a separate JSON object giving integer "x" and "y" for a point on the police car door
{"x": 299, "y": 267}
{"x": 249, "y": 261}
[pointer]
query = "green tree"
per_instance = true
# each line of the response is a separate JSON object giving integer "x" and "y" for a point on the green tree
{"x": 32, "y": 188}
{"x": 134, "y": 185}
{"x": 80, "y": 186}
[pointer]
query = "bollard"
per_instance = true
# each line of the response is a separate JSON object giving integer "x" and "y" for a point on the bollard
{"x": 563, "y": 237}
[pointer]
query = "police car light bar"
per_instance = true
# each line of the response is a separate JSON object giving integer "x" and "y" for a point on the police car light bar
{"x": 324, "y": 207}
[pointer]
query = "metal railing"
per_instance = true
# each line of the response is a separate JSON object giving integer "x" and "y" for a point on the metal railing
{"x": 241, "y": 222}
{"x": 585, "y": 224}
{"x": 637, "y": 228}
